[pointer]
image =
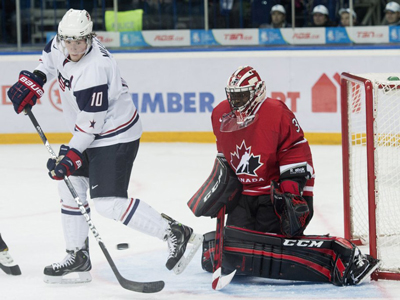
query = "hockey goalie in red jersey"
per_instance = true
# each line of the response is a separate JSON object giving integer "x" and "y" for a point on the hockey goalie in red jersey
{"x": 263, "y": 143}
{"x": 262, "y": 149}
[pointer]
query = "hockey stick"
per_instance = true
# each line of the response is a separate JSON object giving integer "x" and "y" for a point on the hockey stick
{"x": 219, "y": 281}
{"x": 142, "y": 287}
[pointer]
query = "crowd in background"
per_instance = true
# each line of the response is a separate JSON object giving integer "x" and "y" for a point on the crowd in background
{"x": 343, "y": 16}
{"x": 40, "y": 16}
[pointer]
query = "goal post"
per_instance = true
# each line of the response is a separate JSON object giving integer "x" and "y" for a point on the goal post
{"x": 370, "y": 108}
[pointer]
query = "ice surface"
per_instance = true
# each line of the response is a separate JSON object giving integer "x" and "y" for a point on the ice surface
{"x": 165, "y": 176}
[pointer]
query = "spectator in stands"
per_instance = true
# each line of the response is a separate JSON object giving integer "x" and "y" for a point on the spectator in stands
{"x": 344, "y": 14}
{"x": 321, "y": 17}
{"x": 392, "y": 14}
{"x": 278, "y": 18}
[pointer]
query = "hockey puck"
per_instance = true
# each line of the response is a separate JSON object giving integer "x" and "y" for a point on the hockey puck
{"x": 122, "y": 246}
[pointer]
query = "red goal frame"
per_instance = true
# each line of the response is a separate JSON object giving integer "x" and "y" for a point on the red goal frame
{"x": 368, "y": 86}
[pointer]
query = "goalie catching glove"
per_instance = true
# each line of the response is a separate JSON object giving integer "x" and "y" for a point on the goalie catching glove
{"x": 290, "y": 207}
{"x": 25, "y": 92}
{"x": 68, "y": 161}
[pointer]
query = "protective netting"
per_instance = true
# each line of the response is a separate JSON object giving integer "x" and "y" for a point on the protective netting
{"x": 386, "y": 125}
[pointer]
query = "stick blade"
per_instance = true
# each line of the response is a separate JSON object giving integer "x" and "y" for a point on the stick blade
{"x": 219, "y": 281}
{"x": 142, "y": 287}
{"x": 135, "y": 286}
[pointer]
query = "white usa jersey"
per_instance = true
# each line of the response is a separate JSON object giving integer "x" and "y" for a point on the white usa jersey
{"x": 95, "y": 99}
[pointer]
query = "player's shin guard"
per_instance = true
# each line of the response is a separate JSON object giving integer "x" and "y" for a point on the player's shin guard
{"x": 140, "y": 216}
{"x": 306, "y": 258}
{"x": 75, "y": 227}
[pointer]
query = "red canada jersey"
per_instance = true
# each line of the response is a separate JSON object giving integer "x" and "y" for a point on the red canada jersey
{"x": 273, "y": 144}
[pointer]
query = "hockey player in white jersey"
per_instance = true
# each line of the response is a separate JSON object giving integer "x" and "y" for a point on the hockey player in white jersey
{"x": 106, "y": 131}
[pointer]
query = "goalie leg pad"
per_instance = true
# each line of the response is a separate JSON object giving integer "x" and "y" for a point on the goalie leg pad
{"x": 272, "y": 256}
{"x": 309, "y": 258}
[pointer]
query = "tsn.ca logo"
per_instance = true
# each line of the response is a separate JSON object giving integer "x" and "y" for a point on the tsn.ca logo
{"x": 237, "y": 37}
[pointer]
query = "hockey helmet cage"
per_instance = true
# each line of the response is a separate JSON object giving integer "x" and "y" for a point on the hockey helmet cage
{"x": 244, "y": 91}
{"x": 75, "y": 25}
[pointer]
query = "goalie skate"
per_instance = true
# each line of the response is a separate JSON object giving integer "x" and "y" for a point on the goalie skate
{"x": 363, "y": 266}
{"x": 74, "y": 268}
{"x": 178, "y": 237}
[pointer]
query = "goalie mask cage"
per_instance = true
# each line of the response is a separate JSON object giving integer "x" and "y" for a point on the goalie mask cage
{"x": 370, "y": 105}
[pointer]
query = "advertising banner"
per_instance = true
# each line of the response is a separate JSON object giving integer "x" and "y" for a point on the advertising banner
{"x": 249, "y": 37}
{"x": 176, "y": 91}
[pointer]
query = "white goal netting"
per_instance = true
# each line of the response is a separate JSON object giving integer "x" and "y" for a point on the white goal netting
{"x": 386, "y": 142}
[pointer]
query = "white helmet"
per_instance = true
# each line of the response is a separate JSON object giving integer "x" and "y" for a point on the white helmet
{"x": 75, "y": 24}
{"x": 245, "y": 90}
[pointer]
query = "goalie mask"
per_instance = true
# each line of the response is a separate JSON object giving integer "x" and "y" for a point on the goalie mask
{"x": 244, "y": 91}
{"x": 76, "y": 26}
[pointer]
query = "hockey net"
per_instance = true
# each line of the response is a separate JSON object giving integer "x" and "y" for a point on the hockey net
{"x": 371, "y": 166}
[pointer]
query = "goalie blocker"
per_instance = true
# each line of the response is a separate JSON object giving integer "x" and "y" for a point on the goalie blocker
{"x": 306, "y": 258}
{"x": 221, "y": 188}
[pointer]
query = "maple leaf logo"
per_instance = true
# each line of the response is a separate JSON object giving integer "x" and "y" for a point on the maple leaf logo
{"x": 245, "y": 162}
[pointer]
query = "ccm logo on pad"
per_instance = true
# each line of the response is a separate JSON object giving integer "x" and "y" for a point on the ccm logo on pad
{"x": 303, "y": 243}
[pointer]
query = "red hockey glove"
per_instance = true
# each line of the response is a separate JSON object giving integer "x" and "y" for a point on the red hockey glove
{"x": 26, "y": 91}
{"x": 68, "y": 161}
{"x": 290, "y": 207}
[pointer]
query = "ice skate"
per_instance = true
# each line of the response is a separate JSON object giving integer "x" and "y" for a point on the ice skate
{"x": 178, "y": 237}
{"x": 363, "y": 266}
{"x": 75, "y": 263}
{"x": 7, "y": 263}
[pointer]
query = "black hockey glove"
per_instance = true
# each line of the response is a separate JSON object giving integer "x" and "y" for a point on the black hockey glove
{"x": 26, "y": 91}
{"x": 290, "y": 207}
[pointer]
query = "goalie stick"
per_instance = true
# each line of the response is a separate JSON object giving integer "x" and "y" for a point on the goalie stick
{"x": 219, "y": 281}
{"x": 141, "y": 287}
